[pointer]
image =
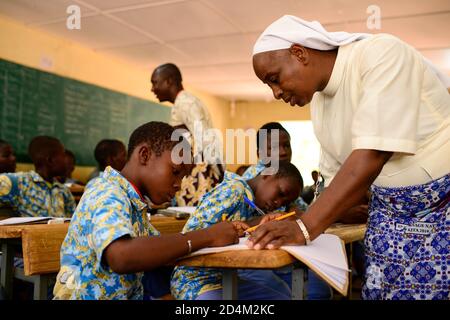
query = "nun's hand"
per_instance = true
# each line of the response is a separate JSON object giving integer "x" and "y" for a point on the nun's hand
{"x": 270, "y": 216}
{"x": 274, "y": 234}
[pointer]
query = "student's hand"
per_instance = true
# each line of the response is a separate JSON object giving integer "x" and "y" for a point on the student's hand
{"x": 275, "y": 234}
{"x": 223, "y": 234}
{"x": 240, "y": 227}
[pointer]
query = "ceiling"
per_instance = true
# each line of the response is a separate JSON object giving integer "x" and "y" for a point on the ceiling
{"x": 211, "y": 40}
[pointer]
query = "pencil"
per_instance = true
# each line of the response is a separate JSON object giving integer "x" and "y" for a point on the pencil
{"x": 224, "y": 217}
{"x": 284, "y": 216}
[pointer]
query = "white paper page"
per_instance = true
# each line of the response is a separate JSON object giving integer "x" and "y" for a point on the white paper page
{"x": 22, "y": 220}
{"x": 239, "y": 246}
{"x": 339, "y": 279}
{"x": 190, "y": 210}
{"x": 338, "y": 274}
{"x": 326, "y": 248}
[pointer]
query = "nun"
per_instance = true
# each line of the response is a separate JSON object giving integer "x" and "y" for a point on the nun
{"x": 381, "y": 113}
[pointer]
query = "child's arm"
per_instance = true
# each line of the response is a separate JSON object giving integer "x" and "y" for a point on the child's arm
{"x": 221, "y": 202}
{"x": 130, "y": 255}
{"x": 9, "y": 189}
{"x": 111, "y": 234}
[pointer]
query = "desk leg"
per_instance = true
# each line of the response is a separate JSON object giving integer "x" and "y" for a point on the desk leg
{"x": 41, "y": 287}
{"x": 298, "y": 283}
{"x": 229, "y": 284}
{"x": 7, "y": 269}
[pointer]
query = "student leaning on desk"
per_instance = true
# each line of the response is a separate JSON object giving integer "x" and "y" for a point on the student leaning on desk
{"x": 232, "y": 199}
{"x": 110, "y": 241}
{"x": 39, "y": 194}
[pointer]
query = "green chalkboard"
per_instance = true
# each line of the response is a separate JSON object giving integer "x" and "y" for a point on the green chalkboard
{"x": 34, "y": 102}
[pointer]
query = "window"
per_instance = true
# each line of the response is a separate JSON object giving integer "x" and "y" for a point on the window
{"x": 305, "y": 148}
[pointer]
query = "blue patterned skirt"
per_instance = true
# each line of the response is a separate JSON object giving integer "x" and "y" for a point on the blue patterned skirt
{"x": 408, "y": 242}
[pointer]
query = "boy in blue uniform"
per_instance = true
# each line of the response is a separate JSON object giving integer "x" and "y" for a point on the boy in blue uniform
{"x": 264, "y": 150}
{"x": 38, "y": 194}
{"x": 317, "y": 289}
{"x": 109, "y": 152}
{"x": 110, "y": 241}
{"x": 268, "y": 192}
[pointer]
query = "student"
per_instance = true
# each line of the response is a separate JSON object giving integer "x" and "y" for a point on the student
{"x": 316, "y": 288}
{"x": 109, "y": 152}
{"x": 227, "y": 199}
{"x": 70, "y": 167}
{"x": 111, "y": 242}
{"x": 38, "y": 193}
{"x": 264, "y": 150}
{"x": 7, "y": 157}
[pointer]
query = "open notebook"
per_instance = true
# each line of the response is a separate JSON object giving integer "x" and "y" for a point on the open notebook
{"x": 31, "y": 220}
{"x": 325, "y": 255}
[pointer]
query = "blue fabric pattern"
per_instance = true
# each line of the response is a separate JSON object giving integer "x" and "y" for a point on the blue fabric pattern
{"x": 408, "y": 242}
{"x": 31, "y": 196}
{"x": 109, "y": 209}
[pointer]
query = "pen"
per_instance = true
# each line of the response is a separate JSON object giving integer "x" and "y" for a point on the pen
{"x": 251, "y": 204}
{"x": 284, "y": 216}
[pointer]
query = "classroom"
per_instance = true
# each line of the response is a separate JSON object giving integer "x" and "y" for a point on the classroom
{"x": 224, "y": 150}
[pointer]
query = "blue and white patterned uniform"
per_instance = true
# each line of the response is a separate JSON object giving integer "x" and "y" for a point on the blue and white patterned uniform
{"x": 31, "y": 196}
{"x": 226, "y": 198}
{"x": 109, "y": 209}
{"x": 256, "y": 169}
{"x": 408, "y": 242}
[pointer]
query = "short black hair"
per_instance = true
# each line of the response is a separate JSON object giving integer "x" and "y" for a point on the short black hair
{"x": 71, "y": 155}
{"x": 170, "y": 70}
{"x": 43, "y": 147}
{"x": 157, "y": 135}
{"x": 107, "y": 148}
{"x": 289, "y": 170}
{"x": 269, "y": 127}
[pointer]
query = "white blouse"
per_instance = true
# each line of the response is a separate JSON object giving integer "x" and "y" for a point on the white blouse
{"x": 382, "y": 96}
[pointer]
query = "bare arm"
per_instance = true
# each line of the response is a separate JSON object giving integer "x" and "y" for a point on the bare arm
{"x": 130, "y": 255}
{"x": 345, "y": 191}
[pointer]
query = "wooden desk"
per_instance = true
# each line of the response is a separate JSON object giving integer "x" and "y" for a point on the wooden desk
{"x": 230, "y": 261}
{"x": 349, "y": 233}
{"x": 40, "y": 246}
